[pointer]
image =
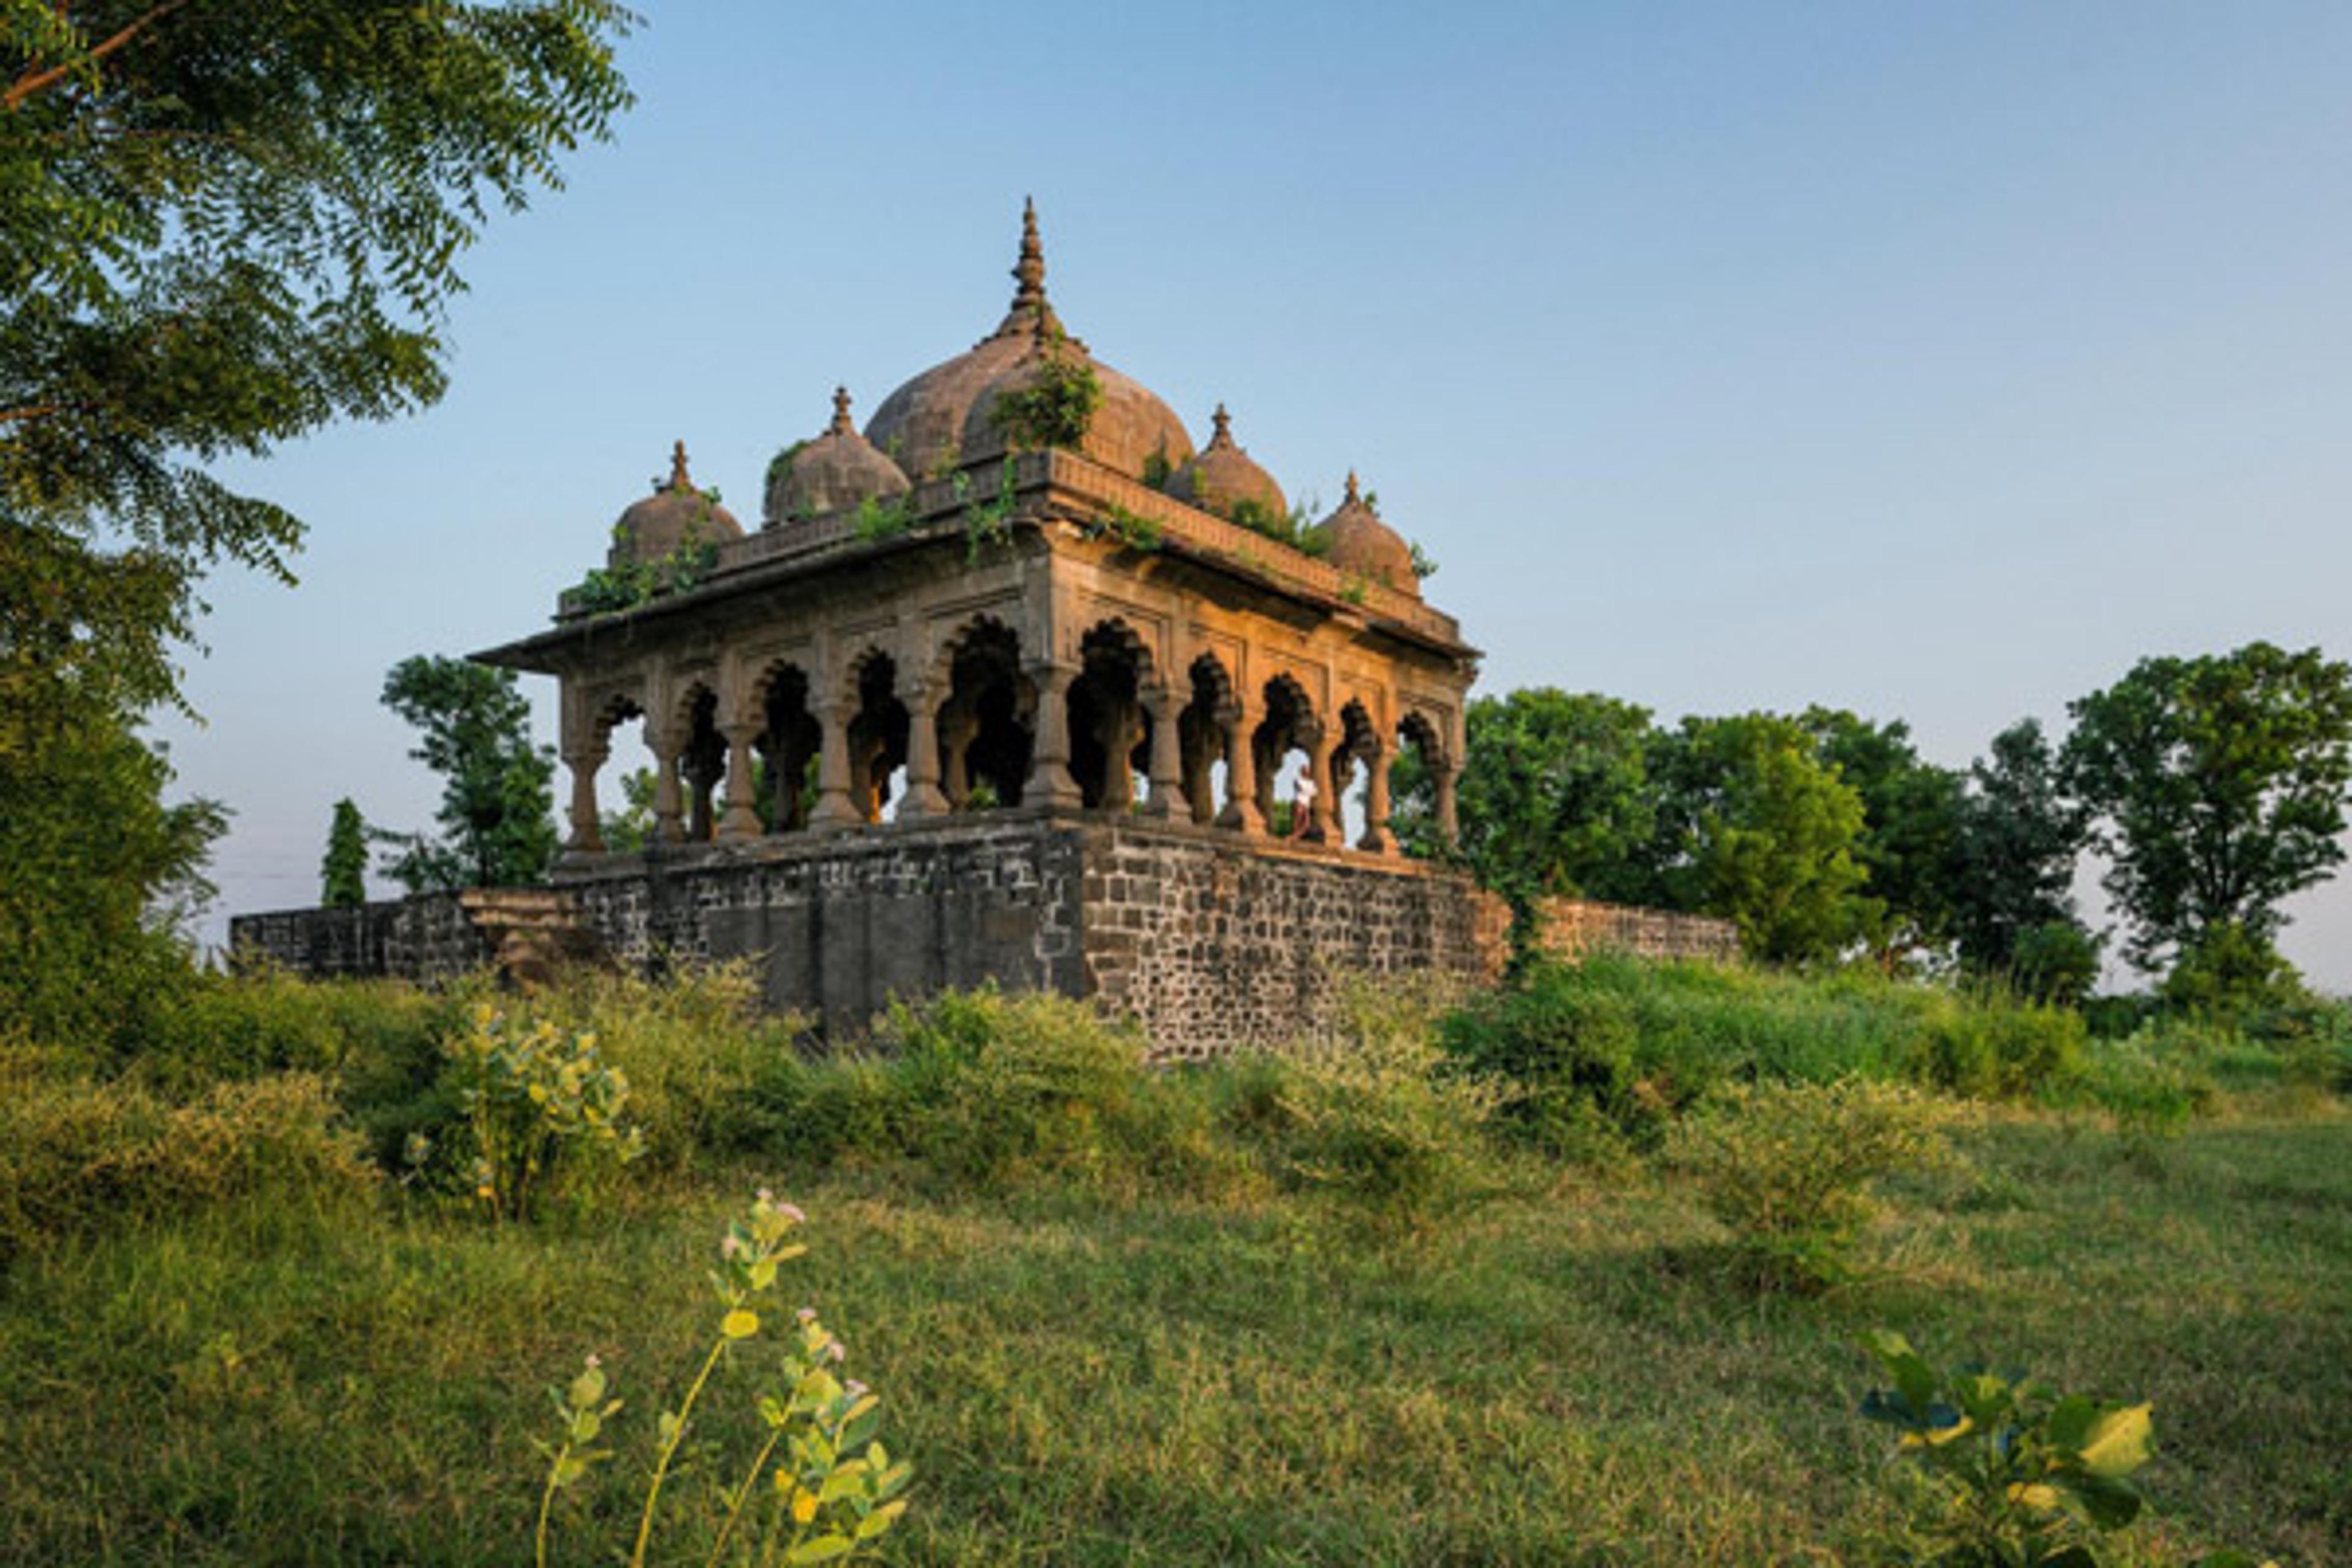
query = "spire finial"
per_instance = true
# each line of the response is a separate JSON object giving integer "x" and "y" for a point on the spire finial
{"x": 1029, "y": 305}
{"x": 1354, "y": 497}
{"x": 678, "y": 480}
{"x": 842, "y": 426}
{"x": 1224, "y": 422}
{"x": 1030, "y": 270}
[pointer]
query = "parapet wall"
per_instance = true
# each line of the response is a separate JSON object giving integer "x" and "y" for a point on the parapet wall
{"x": 1209, "y": 945}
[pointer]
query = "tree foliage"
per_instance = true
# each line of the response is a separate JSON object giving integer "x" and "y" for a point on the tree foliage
{"x": 1754, "y": 828}
{"x": 2012, "y": 891}
{"x": 2219, "y": 785}
{"x": 221, "y": 226}
{"x": 1554, "y": 797}
{"x": 342, "y": 875}
{"x": 1911, "y": 827}
{"x": 497, "y": 802}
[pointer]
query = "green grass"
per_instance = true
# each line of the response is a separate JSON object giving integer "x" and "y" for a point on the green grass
{"x": 1564, "y": 1374}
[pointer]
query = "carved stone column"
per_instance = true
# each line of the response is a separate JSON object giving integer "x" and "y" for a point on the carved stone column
{"x": 1050, "y": 782}
{"x": 958, "y": 727}
{"x": 587, "y": 836}
{"x": 669, "y": 795}
{"x": 1167, "y": 770}
{"x": 923, "y": 797}
{"x": 1324, "y": 823}
{"x": 833, "y": 807}
{"x": 1241, "y": 813}
{"x": 743, "y": 818}
{"x": 1377, "y": 839}
{"x": 1446, "y": 774}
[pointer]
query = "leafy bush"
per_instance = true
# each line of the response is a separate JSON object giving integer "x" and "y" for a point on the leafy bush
{"x": 1630, "y": 1044}
{"x": 1787, "y": 1168}
{"x": 695, "y": 1047}
{"x": 2001, "y": 1472}
{"x": 75, "y": 1151}
{"x": 1371, "y": 1112}
{"x": 1992, "y": 1048}
{"x": 539, "y": 1103}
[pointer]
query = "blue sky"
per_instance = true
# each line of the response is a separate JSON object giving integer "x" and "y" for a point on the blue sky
{"x": 1933, "y": 361}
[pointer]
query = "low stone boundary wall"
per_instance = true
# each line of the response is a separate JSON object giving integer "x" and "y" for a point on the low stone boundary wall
{"x": 1209, "y": 944}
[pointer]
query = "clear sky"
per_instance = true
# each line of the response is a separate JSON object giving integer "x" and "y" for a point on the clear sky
{"x": 1936, "y": 362}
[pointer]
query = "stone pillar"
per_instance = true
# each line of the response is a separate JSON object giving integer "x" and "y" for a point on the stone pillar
{"x": 1241, "y": 813}
{"x": 923, "y": 797}
{"x": 959, "y": 729}
{"x": 1377, "y": 839}
{"x": 1050, "y": 782}
{"x": 587, "y": 836}
{"x": 1445, "y": 773}
{"x": 1167, "y": 770}
{"x": 833, "y": 807}
{"x": 1325, "y": 823}
{"x": 669, "y": 798}
{"x": 743, "y": 818}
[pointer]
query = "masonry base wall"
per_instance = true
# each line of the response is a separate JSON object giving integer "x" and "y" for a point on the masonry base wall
{"x": 1209, "y": 945}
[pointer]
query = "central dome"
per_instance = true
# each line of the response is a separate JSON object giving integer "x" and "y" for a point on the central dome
{"x": 946, "y": 416}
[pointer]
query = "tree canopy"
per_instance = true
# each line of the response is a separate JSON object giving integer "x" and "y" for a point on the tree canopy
{"x": 223, "y": 223}
{"x": 497, "y": 803}
{"x": 2219, "y": 786}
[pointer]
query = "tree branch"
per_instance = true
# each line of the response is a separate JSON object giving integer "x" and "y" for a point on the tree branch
{"x": 34, "y": 81}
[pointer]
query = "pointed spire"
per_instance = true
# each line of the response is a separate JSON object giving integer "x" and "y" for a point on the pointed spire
{"x": 1029, "y": 304}
{"x": 678, "y": 480}
{"x": 1224, "y": 427}
{"x": 842, "y": 424}
{"x": 1355, "y": 498}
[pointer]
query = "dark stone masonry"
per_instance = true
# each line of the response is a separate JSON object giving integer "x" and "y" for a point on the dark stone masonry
{"x": 1211, "y": 944}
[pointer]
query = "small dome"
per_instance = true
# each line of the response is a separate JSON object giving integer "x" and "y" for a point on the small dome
{"x": 838, "y": 469}
{"x": 1361, "y": 543}
{"x": 1130, "y": 429}
{"x": 676, "y": 511}
{"x": 1223, "y": 478}
{"x": 945, "y": 415}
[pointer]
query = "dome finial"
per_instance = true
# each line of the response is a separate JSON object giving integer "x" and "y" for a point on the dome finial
{"x": 841, "y": 421}
{"x": 1223, "y": 436}
{"x": 1029, "y": 304}
{"x": 1354, "y": 497}
{"x": 678, "y": 480}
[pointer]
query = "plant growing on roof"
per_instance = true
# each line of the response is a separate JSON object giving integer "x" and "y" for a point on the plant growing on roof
{"x": 1056, "y": 406}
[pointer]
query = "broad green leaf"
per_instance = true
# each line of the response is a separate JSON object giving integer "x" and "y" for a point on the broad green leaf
{"x": 2107, "y": 1502}
{"x": 2120, "y": 1441}
{"x": 587, "y": 1388}
{"x": 824, "y": 1549}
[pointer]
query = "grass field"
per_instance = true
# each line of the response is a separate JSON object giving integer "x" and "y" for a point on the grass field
{"x": 1564, "y": 1374}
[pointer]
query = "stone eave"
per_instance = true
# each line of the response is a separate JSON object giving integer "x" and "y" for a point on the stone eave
{"x": 1046, "y": 486}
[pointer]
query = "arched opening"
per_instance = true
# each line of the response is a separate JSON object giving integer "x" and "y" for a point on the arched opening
{"x": 1201, "y": 730}
{"x": 877, "y": 737}
{"x": 702, "y": 764}
{"x": 987, "y": 725}
{"x": 1361, "y": 812}
{"x": 621, "y": 792}
{"x": 1414, "y": 772}
{"x": 789, "y": 742}
{"x": 1110, "y": 733}
{"x": 1282, "y": 752}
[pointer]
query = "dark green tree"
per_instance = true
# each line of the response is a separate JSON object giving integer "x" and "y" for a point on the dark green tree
{"x": 2014, "y": 912}
{"x": 498, "y": 805}
{"x": 222, "y": 225}
{"x": 342, "y": 875}
{"x": 1553, "y": 797}
{"x": 1753, "y": 827}
{"x": 1910, "y": 827}
{"x": 96, "y": 874}
{"x": 2219, "y": 785}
